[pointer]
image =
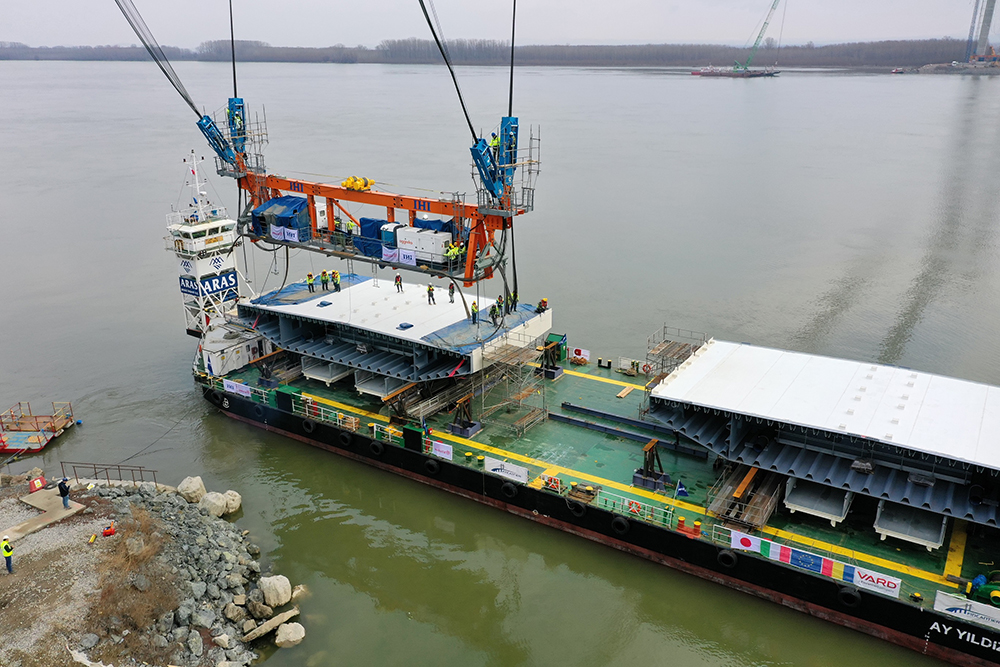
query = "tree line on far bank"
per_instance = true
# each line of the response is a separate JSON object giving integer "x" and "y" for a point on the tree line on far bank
{"x": 897, "y": 53}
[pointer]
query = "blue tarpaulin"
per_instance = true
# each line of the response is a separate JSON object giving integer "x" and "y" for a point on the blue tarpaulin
{"x": 287, "y": 211}
{"x": 369, "y": 242}
{"x": 436, "y": 224}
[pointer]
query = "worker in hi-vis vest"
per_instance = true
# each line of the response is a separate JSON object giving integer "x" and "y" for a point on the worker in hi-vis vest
{"x": 8, "y": 553}
{"x": 310, "y": 282}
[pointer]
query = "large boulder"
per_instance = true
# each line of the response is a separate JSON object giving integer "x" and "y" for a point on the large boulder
{"x": 233, "y": 501}
{"x": 191, "y": 489}
{"x": 289, "y": 634}
{"x": 277, "y": 590}
{"x": 214, "y": 502}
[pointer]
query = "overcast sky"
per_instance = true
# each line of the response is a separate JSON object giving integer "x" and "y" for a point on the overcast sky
{"x": 187, "y": 23}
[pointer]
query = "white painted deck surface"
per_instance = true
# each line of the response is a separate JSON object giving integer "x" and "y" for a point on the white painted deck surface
{"x": 382, "y": 309}
{"x": 929, "y": 413}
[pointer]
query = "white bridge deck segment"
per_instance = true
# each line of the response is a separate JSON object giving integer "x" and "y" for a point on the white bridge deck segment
{"x": 933, "y": 414}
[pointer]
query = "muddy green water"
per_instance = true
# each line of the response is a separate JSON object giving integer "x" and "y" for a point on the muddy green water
{"x": 837, "y": 214}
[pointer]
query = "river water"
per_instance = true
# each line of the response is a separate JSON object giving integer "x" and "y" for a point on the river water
{"x": 849, "y": 215}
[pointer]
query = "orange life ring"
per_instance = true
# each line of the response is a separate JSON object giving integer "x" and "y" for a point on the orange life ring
{"x": 634, "y": 507}
{"x": 646, "y": 368}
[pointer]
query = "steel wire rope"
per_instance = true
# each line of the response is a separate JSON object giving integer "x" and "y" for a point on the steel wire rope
{"x": 781, "y": 32}
{"x": 447, "y": 62}
{"x": 168, "y": 431}
{"x": 510, "y": 113}
{"x": 144, "y": 34}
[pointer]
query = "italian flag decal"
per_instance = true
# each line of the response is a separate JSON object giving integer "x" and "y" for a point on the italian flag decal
{"x": 827, "y": 567}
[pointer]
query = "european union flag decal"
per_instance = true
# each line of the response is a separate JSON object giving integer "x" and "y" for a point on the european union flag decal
{"x": 806, "y": 561}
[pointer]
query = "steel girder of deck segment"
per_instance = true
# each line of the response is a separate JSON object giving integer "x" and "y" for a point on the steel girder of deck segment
{"x": 358, "y": 348}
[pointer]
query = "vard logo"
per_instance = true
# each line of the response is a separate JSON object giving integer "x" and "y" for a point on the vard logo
{"x": 876, "y": 581}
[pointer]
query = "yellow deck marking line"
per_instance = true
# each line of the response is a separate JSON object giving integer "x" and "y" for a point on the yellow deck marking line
{"x": 956, "y": 550}
{"x": 600, "y": 379}
{"x": 587, "y": 376}
{"x": 551, "y": 469}
{"x": 344, "y": 407}
{"x": 859, "y": 556}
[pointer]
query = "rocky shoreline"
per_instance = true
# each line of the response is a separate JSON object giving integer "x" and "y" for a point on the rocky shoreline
{"x": 177, "y": 584}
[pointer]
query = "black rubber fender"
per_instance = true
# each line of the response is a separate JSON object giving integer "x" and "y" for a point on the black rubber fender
{"x": 432, "y": 466}
{"x": 215, "y": 396}
{"x": 258, "y": 410}
{"x": 849, "y": 597}
{"x": 508, "y": 490}
{"x": 576, "y": 508}
{"x": 308, "y": 425}
{"x": 376, "y": 447}
{"x": 726, "y": 558}
{"x": 620, "y": 525}
{"x": 345, "y": 438}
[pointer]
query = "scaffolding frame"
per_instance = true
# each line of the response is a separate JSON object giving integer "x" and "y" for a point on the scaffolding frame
{"x": 508, "y": 380}
{"x": 666, "y": 349}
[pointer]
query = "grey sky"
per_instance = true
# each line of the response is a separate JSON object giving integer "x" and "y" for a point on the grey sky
{"x": 324, "y": 22}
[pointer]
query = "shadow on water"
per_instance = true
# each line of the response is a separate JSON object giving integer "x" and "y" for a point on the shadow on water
{"x": 965, "y": 225}
{"x": 836, "y": 302}
{"x": 954, "y": 251}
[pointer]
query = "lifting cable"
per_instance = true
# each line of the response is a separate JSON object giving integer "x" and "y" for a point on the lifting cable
{"x": 447, "y": 61}
{"x": 156, "y": 53}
